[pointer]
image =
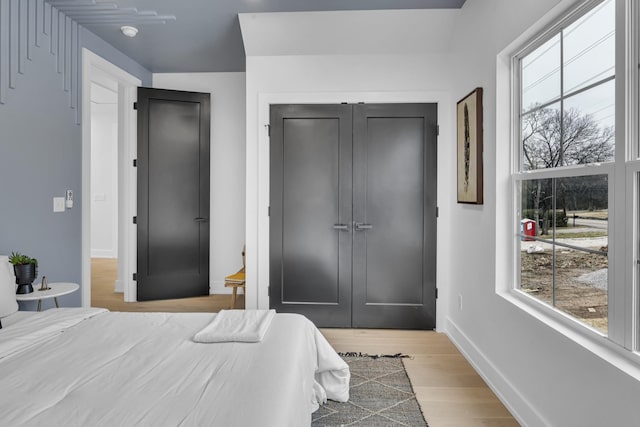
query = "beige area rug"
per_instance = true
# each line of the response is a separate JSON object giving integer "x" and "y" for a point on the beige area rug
{"x": 380, "y": 394}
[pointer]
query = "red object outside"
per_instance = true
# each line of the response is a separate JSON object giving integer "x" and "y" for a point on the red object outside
{"x": 528, "y": 228}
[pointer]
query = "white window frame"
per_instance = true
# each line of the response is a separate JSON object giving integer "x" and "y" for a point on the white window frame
{"x": 628, "y": 54}
{"x": 620, "y": 346}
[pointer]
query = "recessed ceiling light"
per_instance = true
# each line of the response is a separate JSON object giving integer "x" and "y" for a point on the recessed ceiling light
{"x": 129, "y": 31}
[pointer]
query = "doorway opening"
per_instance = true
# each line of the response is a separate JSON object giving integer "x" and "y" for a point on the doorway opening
{"x": 108, "y": 178}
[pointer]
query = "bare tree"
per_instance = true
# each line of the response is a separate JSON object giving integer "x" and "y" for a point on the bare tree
{"x": 551, "y": 139}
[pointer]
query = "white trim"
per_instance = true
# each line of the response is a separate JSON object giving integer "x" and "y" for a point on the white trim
{"x": 577, "y": 10}
{"x": 567, "y": 171}
{"x": 519, "y": 406}
{"x": 127, "y": 84}
{"x": 628, "y": 16}
{"x": 257, "y": 282}
{"x": 103, "y": 253}
{"x": 127, "y": 189}
{"x": 631, "y": 255}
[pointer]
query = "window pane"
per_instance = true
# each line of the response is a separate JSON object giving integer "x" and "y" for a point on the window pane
{"x": 564, "y": 263}
{"x": 581, "y": 266}
{"x": 536, "y": 260}
{"x": 589, "y": 48}
{"x": 589, "y": 126}
{"x": 541, "y": 75}
{"x": 541, "y": 138}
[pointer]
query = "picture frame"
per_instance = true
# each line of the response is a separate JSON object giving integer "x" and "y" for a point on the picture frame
{"x": 469, "y": 146}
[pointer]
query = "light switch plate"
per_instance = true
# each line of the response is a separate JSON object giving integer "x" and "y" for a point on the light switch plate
{"x": 58, "y": 204}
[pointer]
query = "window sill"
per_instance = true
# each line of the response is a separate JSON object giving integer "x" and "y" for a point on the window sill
{"x": 588, "y": 338}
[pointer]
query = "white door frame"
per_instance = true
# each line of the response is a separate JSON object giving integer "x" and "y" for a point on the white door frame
{"x": 93, "y": 64}
{"x": 258, "y": 181}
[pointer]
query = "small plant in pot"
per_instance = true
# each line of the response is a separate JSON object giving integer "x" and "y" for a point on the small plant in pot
{"x": 26, "y": 271}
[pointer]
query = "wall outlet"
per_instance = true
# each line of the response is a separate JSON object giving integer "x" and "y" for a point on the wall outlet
{"x": 460, "y": 302}
{"x": 58, "y": 204}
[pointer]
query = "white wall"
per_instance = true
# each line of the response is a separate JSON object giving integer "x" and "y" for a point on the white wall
{"x": 227, "y": 217}
{"x": 289, "y": 60}
{"x": 104, "y": 181}
{"x": 545, "y": 378}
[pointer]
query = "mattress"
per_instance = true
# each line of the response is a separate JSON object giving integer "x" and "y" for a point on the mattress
{"x": 91, "y": 367}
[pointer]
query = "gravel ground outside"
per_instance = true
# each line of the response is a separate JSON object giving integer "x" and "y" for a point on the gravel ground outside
{"x": 580, "y": 283}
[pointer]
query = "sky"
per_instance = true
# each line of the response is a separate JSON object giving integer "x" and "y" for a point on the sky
{"x": 588, "y": 56}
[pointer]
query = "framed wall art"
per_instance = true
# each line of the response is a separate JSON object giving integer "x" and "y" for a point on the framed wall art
{"x": 469, "y": 140}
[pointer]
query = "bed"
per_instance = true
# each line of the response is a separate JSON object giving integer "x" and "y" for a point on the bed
{"x": 92, "y": 367}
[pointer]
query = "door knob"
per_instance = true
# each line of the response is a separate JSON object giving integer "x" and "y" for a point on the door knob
{"x": 361, "y": 226}
{"x": 342, "y": 227}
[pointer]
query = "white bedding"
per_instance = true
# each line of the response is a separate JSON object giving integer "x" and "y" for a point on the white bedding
{"x": 86, "y": 367}
{"x": 236, "y": 325}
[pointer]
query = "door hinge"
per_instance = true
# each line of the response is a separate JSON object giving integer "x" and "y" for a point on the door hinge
{"x": 135, "y": 277}
{"x": 437, "y": 212}
{"x": 437, "y": 130}
{"x": 269, "y": 291}
{"x": 269, "y": 211}
{"x": 436, "y": 293}
{"x": 268, "y": 129}
{"x": 135, "y": 105}
{"x": 135, "y": 219}
{"x": 135, "y": 163}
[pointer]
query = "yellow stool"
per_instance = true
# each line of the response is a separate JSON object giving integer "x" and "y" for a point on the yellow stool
{"x": 236, "y": 281}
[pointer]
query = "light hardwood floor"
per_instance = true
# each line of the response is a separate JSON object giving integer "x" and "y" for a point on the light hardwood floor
{"x": 448, "y": 389}
{"x": 450, "y": 392}
{"x": 103, "y": 277}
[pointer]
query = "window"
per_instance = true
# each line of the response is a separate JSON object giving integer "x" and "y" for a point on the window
{"x": 565, "y": 262}
{"x": 565, "y": 173}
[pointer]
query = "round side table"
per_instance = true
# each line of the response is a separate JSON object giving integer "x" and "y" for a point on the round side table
{"x": 55, "y": 290}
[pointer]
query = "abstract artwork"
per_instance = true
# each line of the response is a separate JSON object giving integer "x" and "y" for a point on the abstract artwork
{"x": 469, "y": 125}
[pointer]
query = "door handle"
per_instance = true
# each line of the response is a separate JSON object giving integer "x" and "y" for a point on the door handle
{"x": 361, "y": 226}
{"x": 199, "y": 219}
{"x": 341, "y": 227}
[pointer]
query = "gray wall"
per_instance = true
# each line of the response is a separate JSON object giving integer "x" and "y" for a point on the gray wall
{"x": 41, "y": 156}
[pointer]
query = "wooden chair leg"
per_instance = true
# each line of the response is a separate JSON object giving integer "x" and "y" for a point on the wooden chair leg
{"x": 233, "y": 297}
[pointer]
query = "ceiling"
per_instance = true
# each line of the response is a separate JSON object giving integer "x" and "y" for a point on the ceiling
{"x": 200, "y": 35}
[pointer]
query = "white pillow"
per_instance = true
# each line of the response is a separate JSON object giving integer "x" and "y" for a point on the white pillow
{"x": 8, "y": 303}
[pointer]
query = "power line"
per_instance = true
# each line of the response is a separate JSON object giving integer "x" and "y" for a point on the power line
{"x": 600, "y": 76}
{"x": 565, "y": 33}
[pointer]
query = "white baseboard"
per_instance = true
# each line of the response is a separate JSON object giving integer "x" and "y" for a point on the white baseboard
{"x": 519, "y": 407}
{"x": 119, "y": 288}
{"x": 103, "y": 253}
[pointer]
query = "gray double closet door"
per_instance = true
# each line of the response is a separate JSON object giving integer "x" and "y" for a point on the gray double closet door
{"x": 353, "y": 214}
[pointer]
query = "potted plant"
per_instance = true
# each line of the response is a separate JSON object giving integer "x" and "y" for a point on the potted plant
{"x": 26, "y": 271}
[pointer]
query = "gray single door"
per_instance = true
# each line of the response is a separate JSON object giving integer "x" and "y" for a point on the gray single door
{"x": 394, "y": 211}
{"x": 310, "y": 227}
{"x": 353, "y": 214}
{"x": 173, "y": 194}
